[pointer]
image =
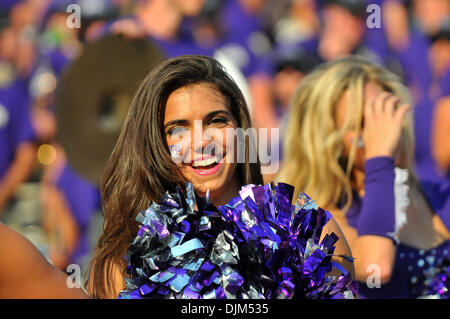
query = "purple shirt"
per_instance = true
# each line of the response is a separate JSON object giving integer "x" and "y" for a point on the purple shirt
{"x": 15, "y": 123}
{"x": 240, "y": 27}
{"x": 415, "y": 64}
{"x": 57, "y": 60}
{"x": 83, "y": 199}
{"x": 6, "y": 5}
{"x": 181, "y": 45}
{"x": 419, "y": 76}
{"x": 82, "y": 196}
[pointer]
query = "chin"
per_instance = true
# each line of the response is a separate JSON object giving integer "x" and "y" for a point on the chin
{"x": 216, "y": 184}
{"x": 213, "y": 188}
{"x": 204, "y": 183}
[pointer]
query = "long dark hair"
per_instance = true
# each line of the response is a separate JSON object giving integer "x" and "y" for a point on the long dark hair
{"x": 140, "y": 169}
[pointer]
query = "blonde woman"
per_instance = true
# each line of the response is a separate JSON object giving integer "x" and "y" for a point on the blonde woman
{"x": 349, "y": 145}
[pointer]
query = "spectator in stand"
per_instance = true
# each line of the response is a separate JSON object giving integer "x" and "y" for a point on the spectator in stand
{"x": 440, "y": 54}
{"x": 17, "y": 139}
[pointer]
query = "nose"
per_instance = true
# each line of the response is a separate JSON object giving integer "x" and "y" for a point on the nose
{"x": 203, "y": 139}
{"x": 199, "y": 141}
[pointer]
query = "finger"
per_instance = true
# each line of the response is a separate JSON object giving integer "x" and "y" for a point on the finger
{"x": 400, "y": 113}
{"x": 369, "y": 109}
{"x": 368, "y": 112}
{"x": 390, "y": 103}
{"x": 380, "y": 103}
{"x": 369, "y": 102}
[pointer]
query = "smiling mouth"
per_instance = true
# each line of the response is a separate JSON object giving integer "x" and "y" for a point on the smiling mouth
{"x": 206, "y": 163}
{"x": 206, "y": 166}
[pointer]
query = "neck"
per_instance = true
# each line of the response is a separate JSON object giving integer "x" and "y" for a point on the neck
{"x": 230, "y": 191}
{"x": 159, "y": 19}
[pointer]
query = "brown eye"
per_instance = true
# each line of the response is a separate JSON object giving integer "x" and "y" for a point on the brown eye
{"x": 176, "y": 130}
{"x": 218, "y": 120}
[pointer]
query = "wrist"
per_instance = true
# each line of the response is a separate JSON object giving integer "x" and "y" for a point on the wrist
{"x": 377, "y": 153}
{"x": 379, "y": 158}
{"x": 380, "y": 169}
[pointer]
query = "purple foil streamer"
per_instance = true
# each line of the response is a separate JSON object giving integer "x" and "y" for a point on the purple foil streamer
{"x": 255, "y": 246}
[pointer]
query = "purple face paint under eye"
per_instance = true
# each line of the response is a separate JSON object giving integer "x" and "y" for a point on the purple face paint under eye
{"x": 175, "y": 152}
{"x": 359, "y": 142}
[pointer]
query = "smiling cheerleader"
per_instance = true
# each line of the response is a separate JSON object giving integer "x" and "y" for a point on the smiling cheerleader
{"x": 158, "y": 152}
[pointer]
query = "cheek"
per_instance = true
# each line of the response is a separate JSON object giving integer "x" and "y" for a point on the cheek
{"x": 348, "y": 140}
{"x": 348, "y": 144}
{"x": 223, "y": 139}
{"x": 179, "y": 147}
{"x": 218, "y": 136}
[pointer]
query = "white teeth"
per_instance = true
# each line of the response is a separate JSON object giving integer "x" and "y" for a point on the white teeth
{"x": 205, "y": 162}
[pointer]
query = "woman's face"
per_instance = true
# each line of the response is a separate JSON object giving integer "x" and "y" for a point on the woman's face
{"x": 344, "y": 110}
{"x": 195, "y": 122}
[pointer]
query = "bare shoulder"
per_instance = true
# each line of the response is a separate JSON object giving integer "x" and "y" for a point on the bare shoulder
{"x": 25, "y": 273}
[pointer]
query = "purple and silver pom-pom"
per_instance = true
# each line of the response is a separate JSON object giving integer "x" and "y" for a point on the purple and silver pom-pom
{"x": 257, "y": 246}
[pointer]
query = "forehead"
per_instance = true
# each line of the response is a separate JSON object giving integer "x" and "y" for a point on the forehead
{"x": 194, "y": 102}
{"x": 371, "y": 89}
{"x": 345, "y": 109}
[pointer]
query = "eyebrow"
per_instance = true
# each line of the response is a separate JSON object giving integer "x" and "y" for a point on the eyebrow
{"x": 214, "y": 113}
{"x": 183, "y": 122}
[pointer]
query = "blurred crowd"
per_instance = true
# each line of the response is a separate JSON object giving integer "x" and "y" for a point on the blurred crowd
{"x": 271, "y": 44}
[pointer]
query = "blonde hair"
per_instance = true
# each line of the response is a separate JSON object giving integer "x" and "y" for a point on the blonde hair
{"x": 313, "y": 154}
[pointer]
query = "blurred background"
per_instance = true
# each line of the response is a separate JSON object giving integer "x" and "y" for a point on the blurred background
{"x": 68, "y": 70}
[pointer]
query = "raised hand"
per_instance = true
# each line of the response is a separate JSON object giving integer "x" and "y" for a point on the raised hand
{"x": 382, "y": 125}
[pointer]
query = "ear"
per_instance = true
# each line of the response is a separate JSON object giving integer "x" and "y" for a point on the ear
{"x": 348, "y": 140}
